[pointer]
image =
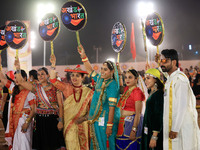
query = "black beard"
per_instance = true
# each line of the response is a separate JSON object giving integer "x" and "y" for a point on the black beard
{"x": 164, "y": 69}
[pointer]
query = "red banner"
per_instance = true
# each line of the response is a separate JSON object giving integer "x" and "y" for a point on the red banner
{"x": 132, "y": 43}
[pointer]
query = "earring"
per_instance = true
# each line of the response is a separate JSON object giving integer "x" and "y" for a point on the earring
{"x": 156, "y": 86}
{"x": 111, "y": 76}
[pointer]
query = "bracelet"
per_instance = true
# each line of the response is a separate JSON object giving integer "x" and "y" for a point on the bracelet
{"x": 0, "y": 67}
{"x": 109, "y": 124}
{"x": 134, "y": 129}
{"x": 18, "y": 71}
{"x": 53, "y": 68}
{"x": 60, "y": 119}
{"x": 84, "y": 59}
{"x": 1, "y": 112}
{"x": 154, "y": 137}
{"x": 28, "y": 120}
{"x": 85, "y": 118}
{"x": 53, "y": 80}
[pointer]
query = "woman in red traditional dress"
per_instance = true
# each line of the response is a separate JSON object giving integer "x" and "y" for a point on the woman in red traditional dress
{"x": 22, "y": 106}
{"x": 49, "y": 118}
{"x": 76, "y": 107}
{"x": 130, "y": 124}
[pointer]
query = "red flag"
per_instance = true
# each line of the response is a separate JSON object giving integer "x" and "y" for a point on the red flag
{"x": 132, "y": 43}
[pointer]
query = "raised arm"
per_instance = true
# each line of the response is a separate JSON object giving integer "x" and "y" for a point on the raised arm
{"x": 21, "y": 81}
{"x": 85, "y": 60}
{"x": 3, "y": 79}
{"x": 120, "y": 78}
{"x": 58, "y": 84}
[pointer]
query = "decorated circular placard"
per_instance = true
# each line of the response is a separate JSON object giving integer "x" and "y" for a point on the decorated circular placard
{"x": 73, "y": 15}
{"x": 154, "y": 29}
{"x": 3, "y": 44}
{"x": 16, "y": 34}
{"x": 118, "y": 37}
{"x": 49, "y": 27}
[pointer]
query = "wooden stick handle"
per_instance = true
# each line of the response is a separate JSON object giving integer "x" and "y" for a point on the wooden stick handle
{"x": 17, "y": 54}
{"x": 118, "y": 56}
{"x": 52, "y": 50}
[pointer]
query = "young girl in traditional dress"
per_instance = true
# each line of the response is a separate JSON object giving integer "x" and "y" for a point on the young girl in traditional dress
{"x": 76, "y": 107}
{"x": 103, "y": 115}
{"x": 131, "y": 103}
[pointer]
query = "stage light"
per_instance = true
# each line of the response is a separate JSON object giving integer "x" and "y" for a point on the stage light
{"x": 111, "y": 59}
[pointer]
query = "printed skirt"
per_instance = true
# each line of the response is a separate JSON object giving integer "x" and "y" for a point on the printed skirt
{"x": 124, "y": 130}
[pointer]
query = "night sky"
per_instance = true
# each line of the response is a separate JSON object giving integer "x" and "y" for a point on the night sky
{"x": 181, "y": 21}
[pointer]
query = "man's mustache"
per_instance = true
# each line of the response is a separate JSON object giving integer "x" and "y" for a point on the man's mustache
{"x": 162, "y": 66}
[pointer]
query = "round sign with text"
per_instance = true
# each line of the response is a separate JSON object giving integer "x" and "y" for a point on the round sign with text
{"x": 3, "y": 44}
{"x": 16, "y": 34}
{"x": 49, "y": 27}
{"x": 118, "y": 37}
{"x": 154, "y": 29}
{"x": 73, "y": 15}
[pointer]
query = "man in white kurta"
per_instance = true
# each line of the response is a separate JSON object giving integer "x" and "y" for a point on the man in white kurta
{"x": 180, "y": 126}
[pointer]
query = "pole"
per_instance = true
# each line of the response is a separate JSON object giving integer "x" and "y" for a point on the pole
{"x": 44, "y": 54}
{"x": 97, "y": 55}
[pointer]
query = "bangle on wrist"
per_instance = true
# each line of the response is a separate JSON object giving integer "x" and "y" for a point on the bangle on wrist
{"x": 134, "y": 129}
{"x": 18, "y": 71}
{"x": 53, "y": 80}
{"x": 109, "y": 124}
{"x": 28, "y": 120}
{"x": 84, "y": 59}
{"x": 60, "y": 119}
{"x": 53, "y": 67}
{"x": 0, "y": 67}
{"x": 1, "y": 112}
{"x": 154, "y": 137}
{"x": 85, "y": 118}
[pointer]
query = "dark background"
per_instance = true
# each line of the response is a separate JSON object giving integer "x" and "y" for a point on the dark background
{"x": 181, "y": 21}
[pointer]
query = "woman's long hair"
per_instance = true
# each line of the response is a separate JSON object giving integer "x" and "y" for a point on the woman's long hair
{"x": 16, "y": 89}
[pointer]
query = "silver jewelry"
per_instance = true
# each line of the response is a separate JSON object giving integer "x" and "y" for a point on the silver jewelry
{"x": 154, "y": 137}
{"x": 60, "y": 119}
{"x": 53, "y": 68}
{"x": 18, "y": 71}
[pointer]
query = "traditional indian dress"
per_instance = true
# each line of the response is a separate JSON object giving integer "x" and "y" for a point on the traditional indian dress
{"x": 127, "y": 103}
{"x": 76, "y": 105}
{"x": 153, "y": 121}
{"x": 46, "y": 135}
{"x": 180, "y": 114}
{"x": 106, "y": 95}
{"x": 17, "y": 115}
